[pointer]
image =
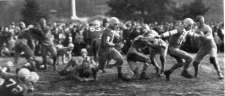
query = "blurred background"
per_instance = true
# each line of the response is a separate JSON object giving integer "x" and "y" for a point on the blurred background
{"x": 149, "y": 10}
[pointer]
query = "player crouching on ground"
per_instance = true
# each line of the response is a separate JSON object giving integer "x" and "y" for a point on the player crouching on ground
{"x": 134, "y": 55}
{"x": 65, "y": 51}
{"x": 82, "y": 69}
{"x": 19, "y": 84}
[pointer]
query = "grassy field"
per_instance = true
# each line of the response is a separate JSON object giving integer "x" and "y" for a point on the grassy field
{"x": 206, "y": 85}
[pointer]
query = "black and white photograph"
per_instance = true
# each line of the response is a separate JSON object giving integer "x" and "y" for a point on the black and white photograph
{"x": 112, "y": 48}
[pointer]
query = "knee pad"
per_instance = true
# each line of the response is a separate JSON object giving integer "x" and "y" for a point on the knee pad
{"x": 212, "y": 60}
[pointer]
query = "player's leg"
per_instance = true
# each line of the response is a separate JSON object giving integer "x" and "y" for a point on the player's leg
{"x": 179, "y": 64}
{"x": 162, "y": 57}
{"x": 213, "y": 60}
{"x": 163, "y": 54}
{"x": 179, "y": 55}
{"x": 134, "y": 68}
{"x": 31, "y": 60}
{"x": 115, "y": 55}
{"x": 155, "y": 64}
{"x": 103, "y": 56}
{"x": 52, "y": 50}
{"x": 136, "y": 56}
{"x": 44, "y": 55}
{"x": 18, "y": 50}
{"x": 188, "y": 59}
{"x": 132, "y": 62}
{"x": 198, "y": 58}
{"x": 16, "y": 56}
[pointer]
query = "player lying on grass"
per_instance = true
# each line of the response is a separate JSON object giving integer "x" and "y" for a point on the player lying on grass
{"x": 82, "y": 68}
{"x": 19, "y": 84}
{"x": 64, "y": 52}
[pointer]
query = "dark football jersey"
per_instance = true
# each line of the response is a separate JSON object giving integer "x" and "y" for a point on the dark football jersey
{"x": 11, "y": 87}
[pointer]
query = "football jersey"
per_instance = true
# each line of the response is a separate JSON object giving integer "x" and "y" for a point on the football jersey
{"x": 106, "y": 34}
{"x": 208, "y": 39}
{"x": 94, "y": 33}
{"x": 11, "y": 87}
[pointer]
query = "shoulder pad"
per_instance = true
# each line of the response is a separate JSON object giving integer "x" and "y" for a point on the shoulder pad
{"x": 208, "y": 28}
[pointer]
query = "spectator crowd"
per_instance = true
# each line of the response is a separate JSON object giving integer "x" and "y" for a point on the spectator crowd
{"x": 76, "y": 33}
